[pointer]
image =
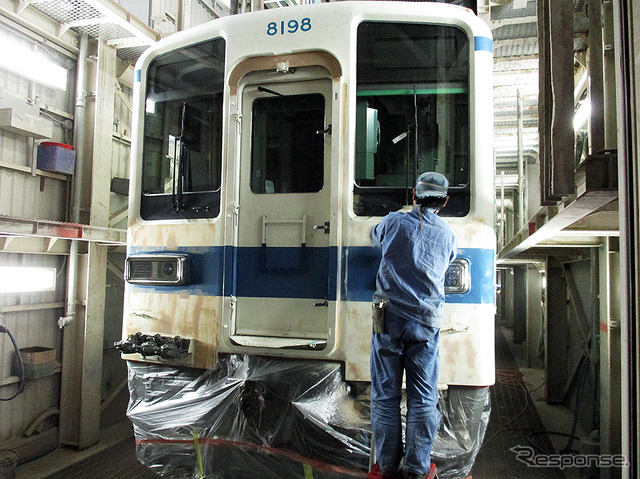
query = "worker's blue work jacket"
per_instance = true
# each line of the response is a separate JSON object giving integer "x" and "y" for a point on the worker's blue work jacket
{"x": 415, "y": 258}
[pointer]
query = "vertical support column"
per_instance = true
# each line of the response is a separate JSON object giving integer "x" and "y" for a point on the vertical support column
{"x": 81, "y": 386}
{"x": 610, "y": 379}
{"x": 627, "y": 56}
{"x": 91, "y": 397}
{"x": 103, "y": 135}
{"x": 522, "y": 172}
{"x": 544, "y": 103}
{"x": 535, "y": 317}
{"x": 184, "y": 14}
{"x": 507, "y": 292}
{"x": 609, "y": 84}
{"x": 519, "y": 304}
{"x": 557, "y": 331}
{"x": 596, "y": 86}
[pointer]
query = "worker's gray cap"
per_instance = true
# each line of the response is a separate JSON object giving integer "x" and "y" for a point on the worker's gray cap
{"x": 431, "y": 184}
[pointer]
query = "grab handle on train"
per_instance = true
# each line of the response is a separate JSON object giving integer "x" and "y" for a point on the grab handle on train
{"x": 326, "y": 227}
{"x": 456, "y": 329}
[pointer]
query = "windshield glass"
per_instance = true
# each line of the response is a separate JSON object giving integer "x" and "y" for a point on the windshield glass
{"x": 183, "y": 132}
{"x": 412, "y": 114}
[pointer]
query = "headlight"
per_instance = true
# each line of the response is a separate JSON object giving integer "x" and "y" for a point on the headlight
{"x": 457, "y": 279}
{"x": 160, "y": 269}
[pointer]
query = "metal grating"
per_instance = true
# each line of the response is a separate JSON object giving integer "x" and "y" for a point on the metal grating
{"x": 67, "y": 11}
{"x": 100, "y": 19}
{"x": 105, "y": 31}
{"x": 131, "y": 53}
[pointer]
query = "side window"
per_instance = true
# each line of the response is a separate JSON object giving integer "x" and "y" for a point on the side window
{"x": 412, "y": 114}
{"x": 182, "y": 150}
{"x": 287, "y": 144}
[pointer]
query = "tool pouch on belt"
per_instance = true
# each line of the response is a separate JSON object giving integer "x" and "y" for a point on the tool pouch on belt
{"x": 378, "y": 316}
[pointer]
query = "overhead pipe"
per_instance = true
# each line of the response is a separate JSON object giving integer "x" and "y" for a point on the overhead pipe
{"x": 78, "y": 134}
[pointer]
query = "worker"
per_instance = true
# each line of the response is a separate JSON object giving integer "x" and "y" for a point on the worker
{"x": 417, "y": 248}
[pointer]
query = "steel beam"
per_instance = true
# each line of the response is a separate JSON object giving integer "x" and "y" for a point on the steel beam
{"x": 15, "y": 226}
{"x": 550, "y": 221}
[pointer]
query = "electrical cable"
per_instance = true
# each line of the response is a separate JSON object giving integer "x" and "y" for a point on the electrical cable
{"x": 21, "y": 377}
{"x": 511, "y": 379}
{"x": 582, "y": 381}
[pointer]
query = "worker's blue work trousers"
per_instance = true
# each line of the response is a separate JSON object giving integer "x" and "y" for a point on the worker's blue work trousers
{"x": 411, "y": 347}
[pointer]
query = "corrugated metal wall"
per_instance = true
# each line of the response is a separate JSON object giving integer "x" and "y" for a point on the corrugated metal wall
{"x": 21, "y": 193}
{"x": 28, "y": 193}
{"x": 31, "y": 317}
{"x": 36, "y": 327}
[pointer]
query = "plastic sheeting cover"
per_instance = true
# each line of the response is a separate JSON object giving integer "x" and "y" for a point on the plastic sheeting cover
{"x": 276, "y": 418}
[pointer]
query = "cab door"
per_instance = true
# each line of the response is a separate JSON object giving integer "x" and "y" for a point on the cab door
{"x": 285, "y": 267}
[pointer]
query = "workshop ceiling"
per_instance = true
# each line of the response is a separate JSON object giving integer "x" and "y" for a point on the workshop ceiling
{"x": 515, "y": 32}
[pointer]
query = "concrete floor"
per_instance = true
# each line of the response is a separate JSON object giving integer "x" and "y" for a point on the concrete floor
{"x": 518, "y": 408}
{"x": 63, "y": 458}
{"x": 555, "y": 417}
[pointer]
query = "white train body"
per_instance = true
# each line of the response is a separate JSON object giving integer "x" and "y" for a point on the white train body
{"x": 268, "y": 144}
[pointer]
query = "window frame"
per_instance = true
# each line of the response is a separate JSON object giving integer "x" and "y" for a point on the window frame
{"x": 384, "y": 199}
{"x": 195, "y": 204}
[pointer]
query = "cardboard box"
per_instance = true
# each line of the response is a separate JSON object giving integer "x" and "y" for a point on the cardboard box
{"x": 38, "y": 362}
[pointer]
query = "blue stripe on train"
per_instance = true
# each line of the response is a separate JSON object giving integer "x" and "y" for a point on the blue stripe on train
{"x": 299, "y": 273}
{"x": 483, "y": 44}
{"x": 362, "y": 264}
{"x": 286, "y": 272}
{"x": 205, "y": 270}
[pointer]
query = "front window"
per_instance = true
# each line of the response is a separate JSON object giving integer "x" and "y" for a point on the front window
{"x": 287, "y": 140}
{"x": 412, "y": 114}
{"x": 182, "y": 151}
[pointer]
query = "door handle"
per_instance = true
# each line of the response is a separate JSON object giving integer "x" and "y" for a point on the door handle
{"x": 326, "y": 227}
{"x": 326, "y": 131}
{"x": 324, "y": 303}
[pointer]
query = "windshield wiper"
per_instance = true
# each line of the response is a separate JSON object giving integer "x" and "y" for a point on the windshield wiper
{"x": 416, "y": 147}
{"x": 272, "y": 92}
{"x": 181, "y": 154}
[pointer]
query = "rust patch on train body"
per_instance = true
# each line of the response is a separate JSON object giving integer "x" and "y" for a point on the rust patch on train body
{"x": 172, "y": 236}
{"x": 188, "y": 316}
